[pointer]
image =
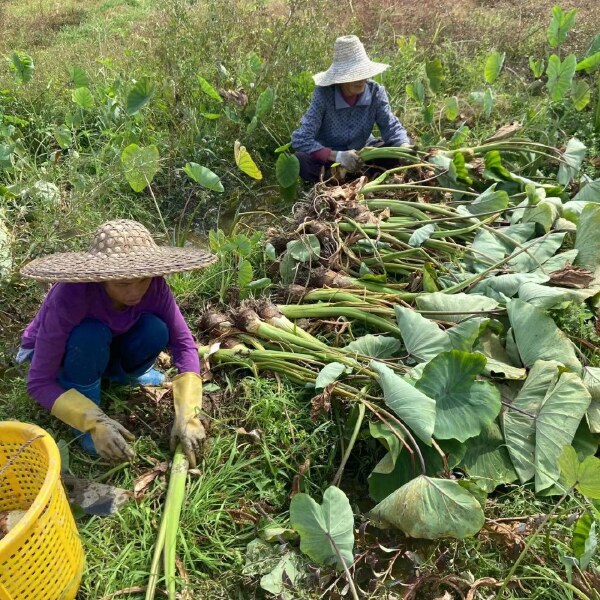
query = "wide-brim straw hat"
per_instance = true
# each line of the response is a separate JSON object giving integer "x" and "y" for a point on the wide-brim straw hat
{"x": 350, "y": 63}
{"x": 121, "y": 249}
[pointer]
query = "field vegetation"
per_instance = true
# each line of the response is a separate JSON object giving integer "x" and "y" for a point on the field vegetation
{"x": 178, "y": 114}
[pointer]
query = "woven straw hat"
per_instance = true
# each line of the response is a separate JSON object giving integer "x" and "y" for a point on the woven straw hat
{"x": 121, "y": 249}
{"x": 350, "y": 63}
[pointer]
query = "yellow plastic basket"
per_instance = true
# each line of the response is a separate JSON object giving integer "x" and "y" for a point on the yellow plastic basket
{"x": 41, "y": 558}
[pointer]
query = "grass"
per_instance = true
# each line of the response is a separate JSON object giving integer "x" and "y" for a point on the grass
{"x": 243, "y": 485}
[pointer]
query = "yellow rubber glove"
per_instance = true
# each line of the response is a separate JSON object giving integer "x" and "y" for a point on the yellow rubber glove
{"x": 109, "y": 436}
{"x": 187, "y": 428}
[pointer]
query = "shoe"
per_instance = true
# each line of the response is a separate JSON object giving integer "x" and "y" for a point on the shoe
{"x": 152, "y": 377}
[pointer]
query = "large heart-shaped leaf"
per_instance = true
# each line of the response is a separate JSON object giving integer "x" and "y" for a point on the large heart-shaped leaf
{"x": 83, "y": 98}
{"x": 585, "y": 540}
{"x": 203, "y": 176}
{"x": 538, "y": 337}
{"x": 504, "y": 287}
{"x": 21, "y": 65}
{"x": 559, "y": 25}
{"x": 209, "y": 90}
{"x": 420, "y": 235}
{"x": 493, "y": 66}
{"x": 141, "y": 165}
{"x": 324, "y": 527}
{"x": 581, "y": 93}
{"x": 589, "y": 63}
{"x": 287, "y": 169}
{"x": 430, "y": 508}
{"x": 536, "y": 253}
{"x": 446, "y": 305}
{"x": 490, "y": 247}
{"x": 463, "y": 406}
{"x": 545, "y": 296}
{"x": 487, "y": 459}
{"x": 139, "y": 95}
{"x": 490, "y": 200}
{"x": 328, "y": 374}
{"x": 264, "y": 104}
{"x": 435, "y": 74}
{"x": 245, "y": 162}
{"x": 519, "y": 424}
{"x": 415, "y": 408}
{"x": 305, "y": 248}
{"x": 590, "y": 192}
{"x": 78, "y": 77}
{"x": 573, "y": 157}
{"x": 422, "y": 338}
{"x": 498, "y": 363}
{"x": 584, "y": 475}
{"x": 560, "y": 74}
{"x": 375, "y": 346}
{"x": 587, "y": 240}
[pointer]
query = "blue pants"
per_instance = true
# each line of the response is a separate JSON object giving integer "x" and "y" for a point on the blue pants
{"x": 92, "y": 352}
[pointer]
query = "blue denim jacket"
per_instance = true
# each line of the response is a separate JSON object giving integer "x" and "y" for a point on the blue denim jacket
{"x": 330, "y": 122}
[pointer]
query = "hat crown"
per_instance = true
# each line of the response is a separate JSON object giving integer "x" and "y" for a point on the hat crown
{"x": 348, "y": 48}
{"x": 122, "y": 236}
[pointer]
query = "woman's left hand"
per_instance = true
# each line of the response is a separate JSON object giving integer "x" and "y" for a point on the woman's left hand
{"x": 187, "y": 427}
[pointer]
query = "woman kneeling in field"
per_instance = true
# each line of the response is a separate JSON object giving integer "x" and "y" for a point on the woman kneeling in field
{"x": 344, "y": 109}
{"x": 109, "y": 314}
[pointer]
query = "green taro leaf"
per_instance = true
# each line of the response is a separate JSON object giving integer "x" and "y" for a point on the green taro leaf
{"x": 487, "y": 459}
{"x": 591, "y": 379}
{"x": 538, "y": 337}
{"x": 78, "y": 77}
{"x": 435, "y": 74}
{"x": 581, "y": 94}
{"x": 140, "y": 164}
{"x": 461, "y": 303}
{"x": 430, "y": 508}
{"x": 573, "y": 157}
{"x": 62, "y": 135}
{"x": 488, "y": 102}
{"x": 562, "y": 409}
{"x": 305, "y": 248}
{"x": 489, "y": 201}
{"x": 589, "y": 63}
{"x": 264, "y": 104}
{"x": 422, "y": 338}
{"x": 559, "y": 25}
{"x": 414, "y": 408}
{"x": 287, "y": 169}
{"x": 451, "y": 109}
{"x": 139, "y": 95}
{"x": 209, "y": 90}
{"x": 21, "y": 66}
{"x": 416, "y": 91}
{"x": 83, "y": 98}
{"x": 587, "y": 239}
{"x": 463, "y": 406}
{"x": 560, "y": 74}
{"x": 545, "y": 296}
{"x": 493, "y": 66}
{"x": 284, "y": 575}
{"x": 584, "y": 475}
{"x": 420, "y": 235}
{"x": 328, "y": 374}
{"x": 519, "y": 425}
{"x": 245, "y": 273}
{"x": 590, "y": 192}
{"x": 321, "y": 524}
{"x": 585, "y": 539}
{"x": 536, "y": 66}
{"x": 375, "y": 346}
{"x": 203, "y": 176}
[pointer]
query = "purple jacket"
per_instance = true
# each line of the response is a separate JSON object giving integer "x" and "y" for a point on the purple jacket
{"x": 68, "y": 304}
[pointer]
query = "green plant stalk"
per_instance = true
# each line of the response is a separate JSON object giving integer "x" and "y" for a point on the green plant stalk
{"x": 338, "y": 475}
{"x": 372, "y": 188}
{"x": 172, "y": 512}
{"x": 294, "y": 311}
{"x": 334, "y": 295}
{"x": 155, "y": 566}
{"x": 368, "y": 154}
{"x": 401, "y": 207}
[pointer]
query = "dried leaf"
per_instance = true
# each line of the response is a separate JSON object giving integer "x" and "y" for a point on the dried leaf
{"x": 504, "y": 132}
{"x": 572, "y": 277}
{"x": 238, "y": 96}
{"x": 142, "y": 483}
{"x": 254, "y": 435}
{"x": 321, "y": 403}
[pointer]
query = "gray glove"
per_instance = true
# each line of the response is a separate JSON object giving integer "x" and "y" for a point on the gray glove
{"x": 349, "y": 159}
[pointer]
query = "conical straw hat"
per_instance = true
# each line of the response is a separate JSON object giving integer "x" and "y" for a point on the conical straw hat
{"x": 121, "y": 249}
{"x": 350, "y": 63}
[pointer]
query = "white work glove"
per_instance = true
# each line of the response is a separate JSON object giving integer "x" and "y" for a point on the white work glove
{"x": 349, "y": 159}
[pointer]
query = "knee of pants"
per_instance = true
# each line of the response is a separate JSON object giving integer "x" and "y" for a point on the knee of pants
{"x": 87, "y": 350}
{"x": 154, "y": 331}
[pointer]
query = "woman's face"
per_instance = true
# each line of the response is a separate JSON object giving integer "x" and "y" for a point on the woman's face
{"x": 354, "y": 88}
{"x": 127, "y": 292}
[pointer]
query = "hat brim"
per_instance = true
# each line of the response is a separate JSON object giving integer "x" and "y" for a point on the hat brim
{"x": 88, "y": 267}
{"x": 359, "y": 72}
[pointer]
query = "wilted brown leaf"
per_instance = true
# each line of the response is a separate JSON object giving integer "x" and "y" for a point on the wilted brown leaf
{"x": 505, "y": 132}
{"x": 572, "y": 277}
{"x": 321, "y": 403}
{"x": 142, "y": 483}
{"x": 254, "y": 435}
{"x": 238, "y": 96}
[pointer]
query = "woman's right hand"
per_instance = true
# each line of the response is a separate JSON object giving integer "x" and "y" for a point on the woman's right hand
{"x": 349, "y": 159}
